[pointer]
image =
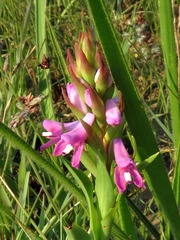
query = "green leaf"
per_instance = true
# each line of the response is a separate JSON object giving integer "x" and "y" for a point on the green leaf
{"x": 105, "y": 198}
{"x": 170, "y": 58}
{"x": 118, "y": 234}
{"x": 87, "y": 188}
{"x": 58, "y": 51}
{"x": 104, "y": 189}
{"x": 106, "y": 224}
{"x": 176, "y": 179}
{"x": 125, "y": 216}
{"x": 155, "y": 175}
{"x": 147, "y": 162}
{"x": 6, "y": 217}
{"x": 9, "y": 219}
{"x": 29, "y": 233}
{"x": 77, "y": 233}
{"x": 146, "y": 222}
{"x": 43, "y": 75}
{"x": 88, "y": 162}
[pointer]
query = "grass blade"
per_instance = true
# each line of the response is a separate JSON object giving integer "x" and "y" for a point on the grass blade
{"x": 58, "y": 52}
{"x": 169, "y": 52}
{"x": 43, "y": 75}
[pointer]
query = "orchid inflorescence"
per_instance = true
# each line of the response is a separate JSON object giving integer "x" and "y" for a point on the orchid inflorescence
{"x": 97, "y": 104}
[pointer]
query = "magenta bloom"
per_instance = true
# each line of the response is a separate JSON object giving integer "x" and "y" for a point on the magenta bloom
{"x": 125, "y": 171}
{"x": 75, "y": 98}
{"x": 67, "y": 136}
{"x": 113, "y": 114}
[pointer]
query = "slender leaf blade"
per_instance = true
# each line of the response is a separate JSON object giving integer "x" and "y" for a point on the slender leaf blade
{"x": 156, "y": 175}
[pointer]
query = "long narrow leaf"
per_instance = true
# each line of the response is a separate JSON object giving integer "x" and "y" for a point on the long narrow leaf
{"x": 169, "y": 52}
{"x": 43, "y": 75}
{"x": 126, "y": 222}
{"x": 87, "y": 189}
{"x": 58, "y": 51}
{"x": 146, "y": 222}
{"x": 135, "y": 115}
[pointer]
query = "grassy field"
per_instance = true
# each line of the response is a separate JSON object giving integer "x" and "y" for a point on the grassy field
{"x": 41, "y": 195}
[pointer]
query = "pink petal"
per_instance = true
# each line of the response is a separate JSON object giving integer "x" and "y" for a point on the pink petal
{"x": 73, "y": 137}
{"x": 89, "y": 118}
{"x": 78, "y": 134}
{"x": 52, "y": 126}
{"x": 88, "y": 98}
{"x": 49, "y": 143}
{"x": 70, "y": 126}
{"x": 59, "y": 148}
{"x": 75, "y": 98}
{"x": 137, "y": 179}
{"x": 77, "y": 155}
{"x": 122, "y": 157}
{"x": 119, "y": 179}
{"x": 56, "y": 127}
{"x": 113, "y": 114}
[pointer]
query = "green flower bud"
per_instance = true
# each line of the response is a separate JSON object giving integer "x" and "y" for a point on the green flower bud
{"x": 88, "y": 46}
{"x": 102, "y": 80}
{"x": 85, "y": 69}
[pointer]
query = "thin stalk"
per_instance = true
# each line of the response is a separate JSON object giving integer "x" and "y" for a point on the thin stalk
{"x": 43, "y": 75}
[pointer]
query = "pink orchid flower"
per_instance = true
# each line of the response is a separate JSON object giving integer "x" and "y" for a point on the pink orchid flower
{"x": 125, "y": 171}
{"x": 75, "y": 98}
{"x": 113, "y": 114}
{"x": 67, "y": 136}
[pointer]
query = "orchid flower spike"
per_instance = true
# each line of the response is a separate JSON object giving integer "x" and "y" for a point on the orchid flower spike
{"x": 125, "y": 171}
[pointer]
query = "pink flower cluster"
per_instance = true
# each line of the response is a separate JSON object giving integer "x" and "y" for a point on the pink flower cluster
{"x": 67, "y": 136}
{"x": 95, "y": 101}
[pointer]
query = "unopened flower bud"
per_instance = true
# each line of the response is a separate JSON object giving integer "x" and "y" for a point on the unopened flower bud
{"x": 84, "y": 68}
{"x": 102, "y": 81}
{"x": 72, "y": 66}
{"x": 88, "y": 46}
{"x": 96, "y": 104}
{"x": 113, "y": 114}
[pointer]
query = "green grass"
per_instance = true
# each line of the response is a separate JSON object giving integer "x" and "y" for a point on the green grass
{"x": 41, "y": 196}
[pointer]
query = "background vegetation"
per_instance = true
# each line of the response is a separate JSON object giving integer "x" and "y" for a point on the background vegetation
{"x": 38, "y": 199}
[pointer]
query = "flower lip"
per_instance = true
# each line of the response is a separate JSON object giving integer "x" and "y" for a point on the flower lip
{"x": 127, "y": 177}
